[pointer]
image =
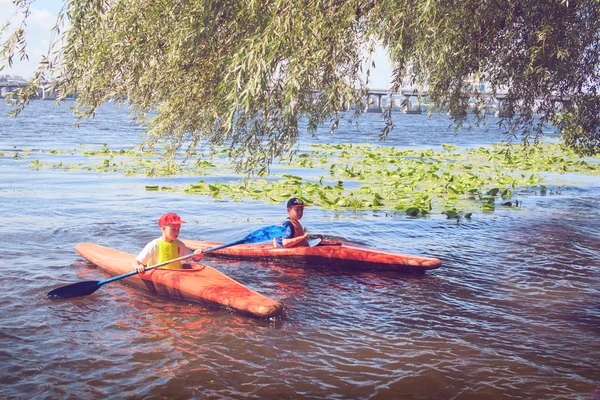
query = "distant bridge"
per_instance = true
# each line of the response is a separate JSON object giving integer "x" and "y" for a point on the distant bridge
{"x": 402, "y": 101}
{"x": 399, "y": 100}
{"x": 42, "y": 93}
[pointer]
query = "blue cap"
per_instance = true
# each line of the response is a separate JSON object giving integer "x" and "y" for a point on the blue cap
{"x": 294, "y": 201}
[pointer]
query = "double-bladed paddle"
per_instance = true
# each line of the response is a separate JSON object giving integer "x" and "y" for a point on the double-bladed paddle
{"x": 89, "y": 287}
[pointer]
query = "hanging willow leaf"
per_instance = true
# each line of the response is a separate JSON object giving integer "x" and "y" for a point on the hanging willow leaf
{"x": 245, "y": 73}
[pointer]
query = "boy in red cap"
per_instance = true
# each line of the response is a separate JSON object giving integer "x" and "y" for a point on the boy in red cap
{"x": 167, "y": 247}
{"x": 295, "y": 235}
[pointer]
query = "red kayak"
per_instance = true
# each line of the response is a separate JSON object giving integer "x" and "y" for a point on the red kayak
{"x": 201, "y": 283}
{"x": 338, "y": 254}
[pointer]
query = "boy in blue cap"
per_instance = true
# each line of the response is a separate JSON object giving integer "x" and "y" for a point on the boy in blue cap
{"x": 295, "y": 234}
{"x": 167, "y": 247}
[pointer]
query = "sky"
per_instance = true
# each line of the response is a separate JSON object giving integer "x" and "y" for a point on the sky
{"x": 43, "y": 18}
{"x": 40, "y": 22}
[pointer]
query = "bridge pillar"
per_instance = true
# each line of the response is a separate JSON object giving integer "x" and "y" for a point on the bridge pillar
{"x": 394, "y": 104}
{"x": 408, "y": 107}
{"x": 505, "y": 108}
{"x": 462, "y": 112}
{"x": 371, "y": 107}
{"x": 7, "y": 89}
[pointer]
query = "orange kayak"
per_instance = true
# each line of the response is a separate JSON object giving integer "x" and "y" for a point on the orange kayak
{"x": 201, "y": 284}
{"x": 339, "y": 254}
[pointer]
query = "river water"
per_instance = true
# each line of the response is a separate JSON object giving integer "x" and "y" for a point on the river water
{"x": 514, "y": 311}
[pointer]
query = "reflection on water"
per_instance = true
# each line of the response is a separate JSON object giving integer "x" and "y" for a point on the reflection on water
{"x": 514, "y": 312}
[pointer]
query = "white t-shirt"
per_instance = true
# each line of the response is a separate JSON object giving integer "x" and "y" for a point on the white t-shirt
{"x": 148, "y": 256}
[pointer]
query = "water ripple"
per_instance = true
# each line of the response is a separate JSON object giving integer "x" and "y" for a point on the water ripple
{"x": 514, "y": 312}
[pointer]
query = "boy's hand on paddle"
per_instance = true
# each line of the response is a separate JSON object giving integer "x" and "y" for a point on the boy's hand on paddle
{"x": 140, "y": 268}
{"x": 198, "y": 255}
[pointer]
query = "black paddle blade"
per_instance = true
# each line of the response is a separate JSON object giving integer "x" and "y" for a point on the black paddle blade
{"x": 74, "y": 290}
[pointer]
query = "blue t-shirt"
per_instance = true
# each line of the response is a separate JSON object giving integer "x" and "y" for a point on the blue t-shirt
{"x": 289, "y": 232}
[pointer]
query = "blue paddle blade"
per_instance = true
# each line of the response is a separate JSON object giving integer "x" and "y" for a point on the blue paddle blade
{"x": 260, "y": 235}
{"x": 264, "y": 234}
{"x": 75, "y": 290}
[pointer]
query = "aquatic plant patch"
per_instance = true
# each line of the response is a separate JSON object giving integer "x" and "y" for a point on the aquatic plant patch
{"x": 452, "y": 181}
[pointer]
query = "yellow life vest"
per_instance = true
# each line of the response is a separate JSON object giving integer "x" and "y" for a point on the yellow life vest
{"x": 168, "y": 251}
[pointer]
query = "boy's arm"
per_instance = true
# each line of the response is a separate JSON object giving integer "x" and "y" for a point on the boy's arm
{"x": 185, "y": 251}
{"x": 288, "y": 241}
{"x": 295, "y": 241}
{"x": 141, "y": 260}
{"x": 198, "y": 255}
{"x": 138, "y": 266}
{"x": 289, "y": 230}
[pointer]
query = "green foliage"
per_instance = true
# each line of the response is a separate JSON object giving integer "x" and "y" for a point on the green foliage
{"x": 543, "y": 54}
{"x": 206, "y": 73}
{"x": 453, "y": 181}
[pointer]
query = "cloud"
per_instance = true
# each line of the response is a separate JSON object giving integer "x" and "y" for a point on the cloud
{"x": 37, "y": 30}
{"x": 42, "y": 18}
{"x": 7, "y": 8}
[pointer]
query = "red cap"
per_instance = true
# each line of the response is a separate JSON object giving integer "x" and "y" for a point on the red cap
{"x": 170, "y": 218}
